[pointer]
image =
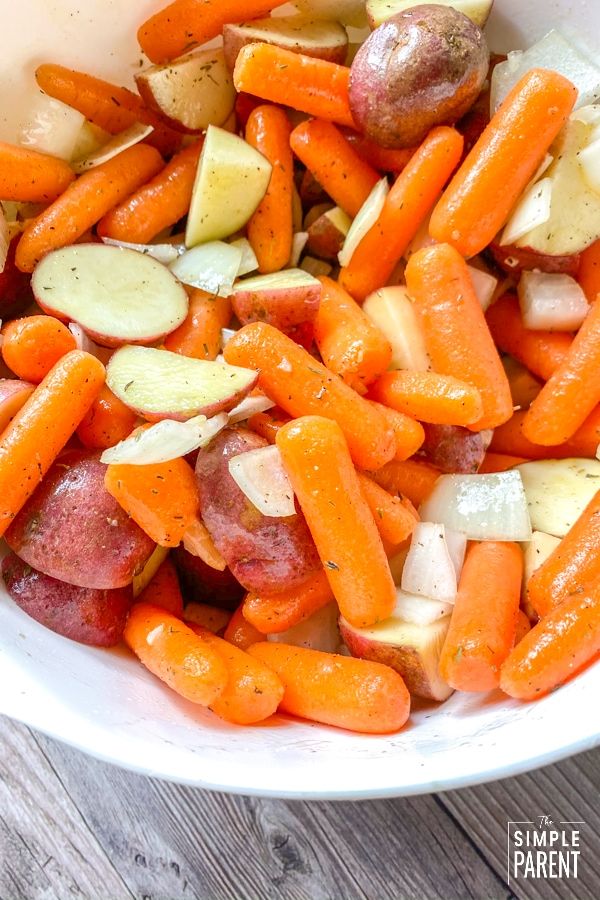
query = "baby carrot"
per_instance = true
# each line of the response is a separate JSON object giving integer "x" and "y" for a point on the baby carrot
{"x": 406, "y": 206}
{"x": 309, "y": 85}
{"x": 409, "y": 433}
{"x": 32, "y": 345}
{"x": 456, "y": 335}
{"x": 31, "y": 177}
{"x": 429, "y": 397}
{"x": 556, "y": 648}
{"x": 106, "y": 422}
{"x": 277, "y": 612}
{"x": 240, "y": 632}
{"x": 106, "y": 105}
{"x": 267, "y": 424}
{"x": 13, "y": 396}
{"x": 349, "y": 343}
{"x": 412, "y": 478}
{"x": 484, "y": 619}
{"x": 572, "y": 392}
{"x": 542, "y": 352}
{"x": 499, "y": 462}
{"x": 172, "y": 652}
{"x": 199, "y": 335}
{"x": 394, "y": 517}
{"x": 509, "y": 438}
{"x": 478, "y": 200}
{"x": 334, "y": 163}
{"x": 270, "y": 228}
{"x": 42, "y": 427}
{"x": 383, "y": 159}
{"x": 337, "y": 690}
{"x": 574, "y": 563}
{"x": 156, "y": 205}
{"x": 301, "y": 385}
{"x": 163, "y": 590}
{"x": 588, "y": 275}
{"x": 181, "y": 25}
{"x": 316, "y": 458}
{"x": 85, "y": 202}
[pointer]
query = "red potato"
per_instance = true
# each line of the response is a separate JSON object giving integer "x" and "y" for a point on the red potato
{"x": 300, "y": 34}
{"x": 73, "y": 530}
{"x": 13, "y": 395}
{"x": 213, "y": 618}
{"x": 326, "y": 235}
{"x": 263, "y": 553}
{"x": 15, "y": 286}
{"x": 514, "y": 260}
{"x": 453, "y": 449}
{"x": 283, "y": 299}
{"x": 200, "y": 582}
{"x": 86, "y": 615}
{"x": 314, "y": 213}
{"x": 311, "y": 192}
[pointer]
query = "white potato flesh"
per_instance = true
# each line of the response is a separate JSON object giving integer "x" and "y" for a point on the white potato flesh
{"x": 349, "y": 12}
{"x": 391, "y": 309}
{"x": 301, "y": 34}
{"x": 558, "y": 490}
{"x": 231, "y": 181}
{"x": 117, "y": 296}
{"x": 159, "y": 384}
{"x": 287, "y": 279}
{"x": 536, "y": 552}
{"x": 364, "y": 221}
{"x": 379, "y": 11}
{"x": 319, "y": 632}
{"x": 50, "y": 126}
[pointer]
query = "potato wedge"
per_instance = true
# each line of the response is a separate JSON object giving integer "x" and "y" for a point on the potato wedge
{"x": 558, "y": 490}
{"x": 379, "y": 11}
{"x": 319, "y": 632}
{"x": 284, "y": 299}
{"x": 300, "y": 34}
{"x": 327, "y": 234}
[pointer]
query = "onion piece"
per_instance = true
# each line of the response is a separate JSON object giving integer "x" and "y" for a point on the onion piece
{"x": 483, "y": 507}
{"x": 51, "y": 127}
{"x": 163, "y": 253}
{"x": 164, "y": 441}
{"x": 551, "y": 302}
{"x": 249, "y": 406}
{"x": 456, "y": 542}
{"x": 484, "y": 284}
{"x": 299, "y": 241}
{"x": 364, "y": 221}
{"x": 261, "y": 476}
{"x": 532, "y": 210}
{"x": 249, "y": 261}
{"x": 419, "y": 610}
{"x": 429, "y": 570}
{"x": 120, "y": 142}
{"x": 213, "y": 267}
{"x": 84, "y": 342}
{"x": 589, "y": 160}
{"x": 4, "y": 239}
{"x": 226, "y": 335}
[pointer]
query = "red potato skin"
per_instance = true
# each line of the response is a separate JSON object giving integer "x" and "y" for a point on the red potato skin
{"x": 13, "y": 395}
{"x": 284, "y": 308}
{"x": 311, "y": 192}
{"x": 514, "y": 260}
{"x": 15, "y": 286}
{"x": 85, "y": 615}
{"x": 453, "y": 449}
{"x": 234, "y": 39}
{"x": 263, "y": 553}
{"x": 200, "y": 583}
{"x": 325, "y": 240}
{"x": 72, "y": 529}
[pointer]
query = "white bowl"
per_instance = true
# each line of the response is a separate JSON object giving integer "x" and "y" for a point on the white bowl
{"x": 104, "y": 703}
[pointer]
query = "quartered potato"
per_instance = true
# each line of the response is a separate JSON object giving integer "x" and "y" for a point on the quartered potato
{"x": 558, "y": 490}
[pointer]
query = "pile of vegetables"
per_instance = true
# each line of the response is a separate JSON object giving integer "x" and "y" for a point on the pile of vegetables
{"x": 301, "y": 355}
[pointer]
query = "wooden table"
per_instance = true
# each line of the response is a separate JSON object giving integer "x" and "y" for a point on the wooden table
{"x": 71, "y": 827}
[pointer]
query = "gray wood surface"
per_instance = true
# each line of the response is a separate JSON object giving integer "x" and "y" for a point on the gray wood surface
{"x": 71, "y": 826}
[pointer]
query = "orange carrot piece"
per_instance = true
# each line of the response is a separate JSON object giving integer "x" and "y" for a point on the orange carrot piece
{"x": 199, "y": 335}
{"x": 494, "y": 174}
{"x": 334, "y": 163}
{"x": 484, "y": 619}
{"x": 509, "y": 438}
{"x": 213, "y": 618}
{"x": 394, "y": 517}
{"x": 106, "y": 105}
{"x": 499, "y": 462}
{"x": 412, "y": 478}
{"x": 181, "y": 25}
{"x": 164, "y": 591}
{"x": 574, "y": 563}
{"x": 267, "y": 424}
{"x": 588, "y": 275}
{"x": 162, "y": 498}
{"x": 316, "y": 458}
{"x": 456, "y": 334}
{"x": 157, "y": 205}
{"x": 270, "y": 229}
{"x": 275, "y": 613}
{"x": 240, "y": 632}
{"x": 42, "y": 427}
{"x": 542, "y": 352}
{"x": 406, "y": 206}
{"x": 429, "y": 397}
{"x": 523, "y": 627}
{"x": 85, "y": 202}
{"x": 556, "y": 648}
{"x": 172, "y": 652}
{"x": 409, "y": 433}
{"x": 572, "y": 392}
{"x": 301, "y": 385}
{"x": 13, "y": 396}
{"x": 106, "y": 422}
{"x": 31, "y": 177}
{"x": 383, "y": 159}
{"x": 337, "y": 690}
{"x": 32, "y": 345}
{"x": 305, "y": 83}
{"x": 349, "y": 343}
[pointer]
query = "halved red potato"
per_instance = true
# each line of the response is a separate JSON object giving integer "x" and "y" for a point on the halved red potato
{"x": 13, "y": 395}
{"x": 453, "y": 449}
{"x": 513, "y": 260}
{"x": 379, "y": 11}
{"x": 327, "y": 234}
{"x": 348, "y": 12}
{"x": 283, "y": 299}
{"x": 300, "y": 34}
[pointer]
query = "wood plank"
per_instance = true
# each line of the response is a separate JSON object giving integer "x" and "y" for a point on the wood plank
{"x": 565, "y": 792}
{"x": 46, "y": 849}
{"x": 167, "y": 840}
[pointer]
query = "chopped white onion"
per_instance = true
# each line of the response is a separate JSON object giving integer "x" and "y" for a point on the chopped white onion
{"x": 483, "y": 507}
{"x": 456, "y": 542}
{"x": 589, "y": 160}
{"x": 213, "y": 267}
{"x": 429, "y": 570}
{"x": 316, "y": 267}
{"x": 298, "y": 244}
{"x": 364, "y": 221}
{"x": 249, "y": 262}
{"x": 50, "y": 126}
{"x": 226, "y": 335}
{"x": 551, "y": 302}
{"x": 485, "y": 286}
{"x": 261, "y": 476}
{"x": 419, "y": 610}
{"x": 249, "y": 406}
{"x": 4, "y": 239}
{"x": 532, "y": 209}
{"x": 164, "y": 441}
{"x": 163, "y": 253}
{"x": 120, "y": 142}
{"x": 84, "y": 342}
